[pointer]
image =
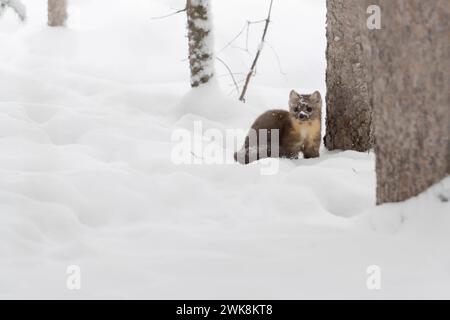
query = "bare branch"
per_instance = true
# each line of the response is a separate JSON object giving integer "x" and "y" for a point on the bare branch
{"x": 277, "y": 57}
{"x": 234, "y": 39}
{"x": 246, "y": 37}
{"x": 169, "y": 15}
{"x": 230, "y": 72}
{"x": 241, "y": 49}
{"x": 246, "y": 27}
{"x": 196, "y": 156}
{"x": 234, "y": 89}
{"x": 258, "y": 53}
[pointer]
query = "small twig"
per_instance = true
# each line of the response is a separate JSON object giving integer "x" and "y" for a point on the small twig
{"x": 242, "y": 49}
{"x": 277, "y": 57}
{"x": 234, "y": 89}
{"x": 169, "y": 15}
{"x": 230, "y": 72}
{"x": 253, "y": 67}
{"x": 232, "y": 40}
{"x": 196, "y": 156}
{"x": 246, "y": 36}
{"x": 241, "y": 31}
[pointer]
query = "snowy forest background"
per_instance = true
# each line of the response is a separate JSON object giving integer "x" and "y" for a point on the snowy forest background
{"x": 86, "y": 177}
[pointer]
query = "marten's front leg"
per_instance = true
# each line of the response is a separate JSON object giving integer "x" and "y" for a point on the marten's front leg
{"x": 288, "y": 152}
{"x": 311, "y": 148}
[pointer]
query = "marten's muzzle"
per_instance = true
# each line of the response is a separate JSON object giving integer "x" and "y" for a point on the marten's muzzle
{"x": 302, "y": 115}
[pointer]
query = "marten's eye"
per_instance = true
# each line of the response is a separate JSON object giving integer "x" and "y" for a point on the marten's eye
{"x": 309, "y": 109}
{"x": 296, "y": 109}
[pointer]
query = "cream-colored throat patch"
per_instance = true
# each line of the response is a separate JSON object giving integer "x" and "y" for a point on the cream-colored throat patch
{"x": 306, "y": 129}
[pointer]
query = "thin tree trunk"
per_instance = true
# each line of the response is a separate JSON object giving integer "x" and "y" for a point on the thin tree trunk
{"x": 201, "y": 45}
{"x": 349, "y": 109}
{"x": 411, "y": 66}
{"x": 57, "y": 13}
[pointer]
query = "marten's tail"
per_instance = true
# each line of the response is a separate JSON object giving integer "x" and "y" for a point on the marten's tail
{"x": 242, "y": 156}
{"x": 247, "y": 155}
{"x": 235, "y": 156}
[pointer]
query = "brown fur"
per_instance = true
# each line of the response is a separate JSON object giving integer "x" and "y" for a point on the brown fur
{"x": 299, "y": 130}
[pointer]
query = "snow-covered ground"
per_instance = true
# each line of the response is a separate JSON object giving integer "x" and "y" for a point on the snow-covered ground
{"x": 86, "y": 174}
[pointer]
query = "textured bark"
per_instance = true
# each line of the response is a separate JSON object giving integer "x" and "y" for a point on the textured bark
{"x": 411, "y": 96}
{"x": 57, "y": 13}
{"x": 349, "y": 108}
{"x": 201, "y": 51}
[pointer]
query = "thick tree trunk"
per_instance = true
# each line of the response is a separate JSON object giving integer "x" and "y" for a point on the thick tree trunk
{"x": 57, "y": 13}
{"x": 411, "y": 95}
{"x": 201, "y": 45}
{"x": 349, "y": 110}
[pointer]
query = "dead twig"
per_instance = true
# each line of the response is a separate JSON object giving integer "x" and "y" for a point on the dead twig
{"x": 277, "y": 57}
{"x": 234, "y": 39}
{"x": 246, "y": 28}
{"x": 258, "y": 53}
{"x": 234, "y": 89}
{"x": 230, "y": 72}
{"x": 169, "y": 15}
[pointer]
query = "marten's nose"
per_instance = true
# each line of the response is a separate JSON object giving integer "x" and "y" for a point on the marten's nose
{"x": 303, "y": 115}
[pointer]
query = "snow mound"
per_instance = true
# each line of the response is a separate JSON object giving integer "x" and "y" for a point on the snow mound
{"x": 210, "y": 102}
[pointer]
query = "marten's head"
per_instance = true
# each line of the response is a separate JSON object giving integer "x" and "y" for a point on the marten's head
{"x": 305, "y": 106}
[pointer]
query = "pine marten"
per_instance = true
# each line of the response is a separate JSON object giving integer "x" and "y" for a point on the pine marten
{"x": 299, "y": 130}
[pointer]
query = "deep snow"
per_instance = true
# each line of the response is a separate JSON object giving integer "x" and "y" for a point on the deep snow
{"x": 86, "y": 177}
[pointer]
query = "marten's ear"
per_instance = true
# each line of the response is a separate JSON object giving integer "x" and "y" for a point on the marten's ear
{"x": 316, "y": 96}
{"x": 293, "y": 96}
